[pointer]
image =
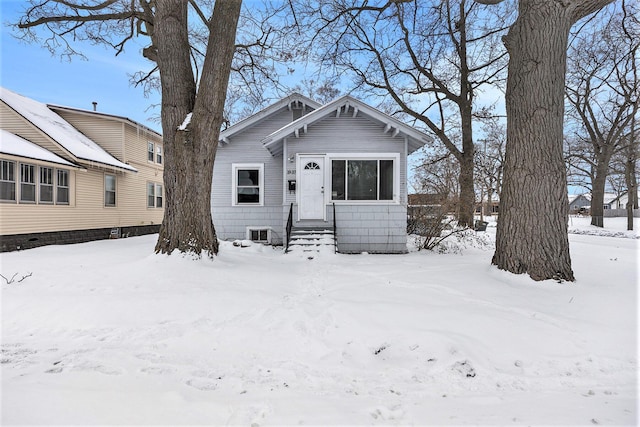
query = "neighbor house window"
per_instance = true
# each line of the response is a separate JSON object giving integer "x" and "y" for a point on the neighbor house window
{"x": 27, "y": 183}
{"x": 154, "y": 195}
{"x": 62, "y": 187}
{"x": 363, "y": 179}
{"x": 46, "y": 185}
{"x": 159, "y": 154}
{"x": 150, "y": 151}
{"x": 248, "y": 184}
{"x": 7, "y": 181}
{"x": 158, "y": 196}
{"x": 109, "y": 190}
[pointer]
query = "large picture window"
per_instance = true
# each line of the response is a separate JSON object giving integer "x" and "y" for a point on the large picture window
{"x": 7, "y": 181}
{"x": 248, "y": 184}
{"x": 363, "y": 179}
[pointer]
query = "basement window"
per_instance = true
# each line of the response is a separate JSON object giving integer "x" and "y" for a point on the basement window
{"x": 260, "y": 235}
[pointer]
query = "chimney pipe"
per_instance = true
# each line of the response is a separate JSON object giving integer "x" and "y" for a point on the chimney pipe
{"x": 95, "y": 105}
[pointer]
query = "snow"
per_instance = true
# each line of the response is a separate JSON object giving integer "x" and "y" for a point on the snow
{"x": 109, "y": 333}
{"x": 60, "y": 130}
{"x": 17, "y": 146}
{"x": 186, "y": 122}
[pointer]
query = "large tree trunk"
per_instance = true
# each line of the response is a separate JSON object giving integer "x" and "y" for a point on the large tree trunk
{"x": 467, "y": 202}
{"x": 598, "y": 185}
{"x": 190, "y": 152}
{"x": 532, "y": 227}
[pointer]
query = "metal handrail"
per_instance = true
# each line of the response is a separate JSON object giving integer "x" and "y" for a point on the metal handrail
{"x": 288, "y": 229}
{"x": 335, "y": 234}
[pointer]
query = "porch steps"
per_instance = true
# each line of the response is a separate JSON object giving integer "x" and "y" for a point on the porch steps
{"x": 312, "y": 240}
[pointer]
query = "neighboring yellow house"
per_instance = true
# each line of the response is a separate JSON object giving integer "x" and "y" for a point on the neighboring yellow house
{"x": 70, "y": 175}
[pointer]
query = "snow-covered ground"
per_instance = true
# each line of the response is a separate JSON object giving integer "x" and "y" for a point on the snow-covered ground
{"x": 108, "y": 333}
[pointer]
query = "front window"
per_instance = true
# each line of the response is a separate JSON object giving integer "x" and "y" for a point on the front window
{"x": 248, "y": 184}
{"x": 109, "y": 190}
{"x": 159, "y": 154}
{"x": 7, "y": 181}
{"x": 27, "y": 183}
{"x": 150, "y": 151}
{"x": 46, "y": 185}
{"x": 62, "y": 187}
{"x": 366, "y": 179}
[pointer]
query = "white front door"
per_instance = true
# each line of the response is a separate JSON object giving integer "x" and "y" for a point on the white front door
{"x": 311, "y": 189}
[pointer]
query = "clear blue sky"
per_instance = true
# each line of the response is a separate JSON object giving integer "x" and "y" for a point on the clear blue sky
{"x": 30, "y": 70}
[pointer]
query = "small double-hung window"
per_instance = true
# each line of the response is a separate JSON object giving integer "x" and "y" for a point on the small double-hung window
{"x": 154, "y": 195}
{"x": 46, "y": 185}
{"x": 109, "y": 190}
{"x": 7, "y": 181}
{"x": 248, "y": 184}
{"x": 27, "y": 183}
{"x": 150, "y": 151}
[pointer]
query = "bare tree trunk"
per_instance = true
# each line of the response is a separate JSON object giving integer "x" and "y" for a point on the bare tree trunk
{"x": 467, "y": 202}
{"x": 598, "y": 185}
{"x": 532, "y": 227}
{"x": 190, "y": 153}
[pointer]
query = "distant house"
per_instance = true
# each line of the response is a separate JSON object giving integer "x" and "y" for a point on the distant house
{"x": 620, "y": 202}
{"x": 70, "y": 175}
{"x": 579, "y": 203}
{"x": 296, "y": 161}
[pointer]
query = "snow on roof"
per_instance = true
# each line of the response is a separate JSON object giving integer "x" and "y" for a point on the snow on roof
{"x": 18, "y": 146}
{"x": 58, "y": 129}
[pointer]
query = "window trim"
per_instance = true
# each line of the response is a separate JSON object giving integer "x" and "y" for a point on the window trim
{"x": 235, "y": 167}
{"x": 115, "y": 191}
{"x": 395, "y": 157}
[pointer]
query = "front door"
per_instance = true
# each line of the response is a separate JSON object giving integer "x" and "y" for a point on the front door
{"x": 311, "y": 189}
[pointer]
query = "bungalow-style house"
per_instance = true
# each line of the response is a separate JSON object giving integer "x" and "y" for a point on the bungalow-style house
{"x": 298, "y": 165}
{"x": 579, "y": 203}
{"x": 69, "y": 175}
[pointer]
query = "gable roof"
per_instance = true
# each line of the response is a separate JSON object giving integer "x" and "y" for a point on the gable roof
{"x": 415, "y": 138}
{"x": 60, "y": 131}
{"x": 18, "y": 146}
{"x": 293, "y": 99}
{"x": 104, "y": 115}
